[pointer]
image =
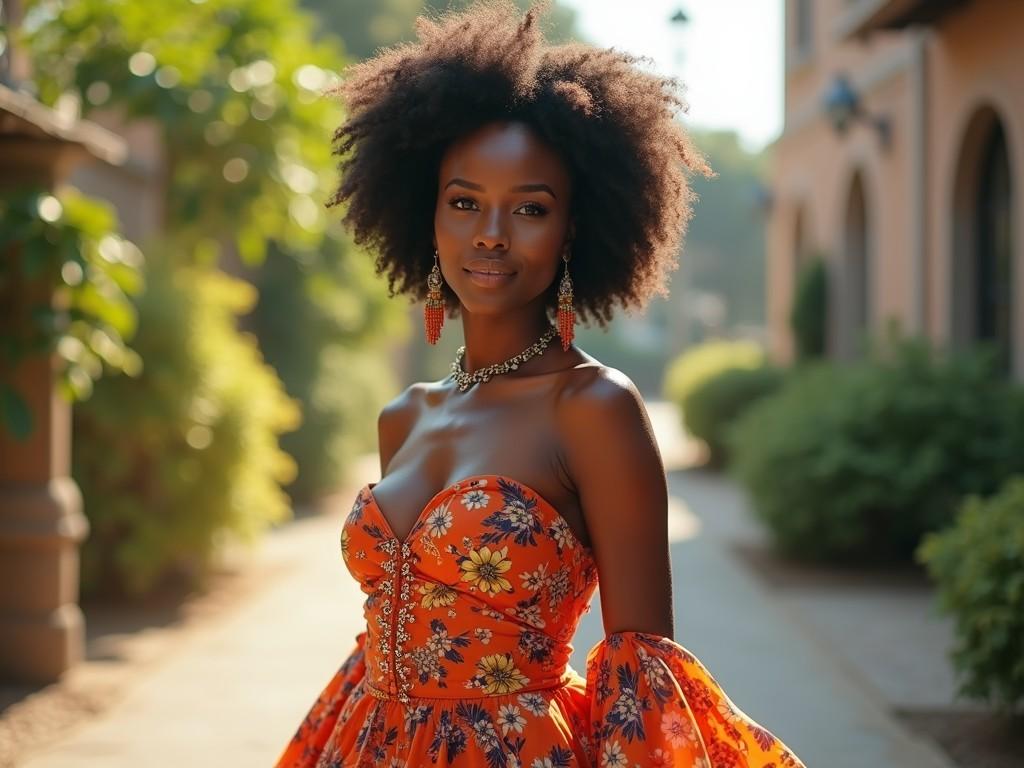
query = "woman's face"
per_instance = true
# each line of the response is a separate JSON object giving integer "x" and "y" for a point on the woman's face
{"x": 502, "y": 208}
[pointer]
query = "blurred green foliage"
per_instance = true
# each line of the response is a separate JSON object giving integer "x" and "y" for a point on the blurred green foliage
{"x": 978, "y": 565}
{"x": 689, "y": 375}
{"x": 366, "y": 26}
{"x": 173, "y": 460}
{"x": 66, "y": 278}
{"x": 324, "y": 334}
{"x": 716, "y": 404}
{"x": 238, "y": 89}
{"x": 857, "y": 461}
{"x": 234, "y": 84}
{"x": 725, "y": 239}
{"x": 808, "y": 317}
{"x": 704, "y": 361}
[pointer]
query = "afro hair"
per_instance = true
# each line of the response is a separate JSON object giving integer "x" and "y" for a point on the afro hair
{"x": 613, "y": 124}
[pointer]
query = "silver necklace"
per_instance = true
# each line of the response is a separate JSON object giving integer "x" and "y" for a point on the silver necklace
{"x": 466, "y": 380}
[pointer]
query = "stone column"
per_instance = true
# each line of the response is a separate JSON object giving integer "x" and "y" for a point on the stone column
{"x": 42, "y": 630}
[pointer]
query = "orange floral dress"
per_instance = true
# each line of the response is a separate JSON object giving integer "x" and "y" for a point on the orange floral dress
{"x": 464, "y": 661}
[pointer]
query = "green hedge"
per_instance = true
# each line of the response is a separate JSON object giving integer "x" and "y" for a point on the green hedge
{"x": 704, "y": 361}
{"x": 856, "y": 462}
{"x": 808, "y": 316}
{"x": 717, "y": 403}
{"x": 688, "y": 373}
{"x": 185, "y": 456}
{"x": 978, "y": 565}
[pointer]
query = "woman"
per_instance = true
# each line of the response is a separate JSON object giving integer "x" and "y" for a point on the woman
{"x": 504, "y": 180}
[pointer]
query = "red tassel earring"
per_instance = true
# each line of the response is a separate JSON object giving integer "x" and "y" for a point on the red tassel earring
{"x": 433, "y": 311}
{"x": 566, "y": 312}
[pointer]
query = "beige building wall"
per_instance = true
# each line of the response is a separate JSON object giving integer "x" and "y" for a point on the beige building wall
{"x": 977, "y": 63}
{"x": 930, "y": 83}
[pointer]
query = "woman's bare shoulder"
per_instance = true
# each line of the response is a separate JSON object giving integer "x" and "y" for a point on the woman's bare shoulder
{"x": 598, "y": 411}
{"x": 591, "y": 387}
{"x": 404, "y": 404}
{"x": 397, "y": 419}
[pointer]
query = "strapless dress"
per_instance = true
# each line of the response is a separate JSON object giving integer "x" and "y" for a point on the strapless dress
{"x": 464, "y": 661}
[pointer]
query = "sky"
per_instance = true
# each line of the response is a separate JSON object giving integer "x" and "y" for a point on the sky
{"x": 732, "y": 62}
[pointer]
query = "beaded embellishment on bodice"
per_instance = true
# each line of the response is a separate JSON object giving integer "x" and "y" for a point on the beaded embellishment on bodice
{"x": 487, "y": 555}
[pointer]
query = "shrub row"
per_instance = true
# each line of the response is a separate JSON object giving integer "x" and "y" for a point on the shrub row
{"x": 175, "y": 462}
{"x": 710, "y": 383}
{"x": 978, "y": 565}
{"x": 857, "y": 462}
{"x": 907, "y": 454}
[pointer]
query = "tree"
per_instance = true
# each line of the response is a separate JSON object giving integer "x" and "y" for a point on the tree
{"x": 366, "y": 26}
{"x": 726, "y": 236}
{"x": 236, "y": 86}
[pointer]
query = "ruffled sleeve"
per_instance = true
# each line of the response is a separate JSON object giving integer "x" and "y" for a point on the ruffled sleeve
{"x": 311, "y": 737}
{"x": 653, "y": 703}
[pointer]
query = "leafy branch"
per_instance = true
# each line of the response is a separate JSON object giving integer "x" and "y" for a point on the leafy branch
{"x": 65, "y": 280}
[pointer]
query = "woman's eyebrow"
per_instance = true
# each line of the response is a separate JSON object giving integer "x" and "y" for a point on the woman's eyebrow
{"x": 520, "y": 188}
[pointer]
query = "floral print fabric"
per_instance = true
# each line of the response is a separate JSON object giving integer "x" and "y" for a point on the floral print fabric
{"x": 464, "y": 661}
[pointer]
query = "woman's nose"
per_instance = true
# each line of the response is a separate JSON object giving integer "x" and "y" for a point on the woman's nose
{"x": 492, "y": 233}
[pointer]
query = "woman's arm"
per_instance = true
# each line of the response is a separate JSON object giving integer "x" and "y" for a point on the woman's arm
{"x": 610, "y": 452}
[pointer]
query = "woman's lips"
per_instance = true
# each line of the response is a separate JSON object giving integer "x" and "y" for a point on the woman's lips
{"x": 489, "y": 279}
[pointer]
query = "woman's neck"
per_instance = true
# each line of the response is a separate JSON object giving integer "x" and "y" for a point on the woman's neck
{"x": 494, "y": 339}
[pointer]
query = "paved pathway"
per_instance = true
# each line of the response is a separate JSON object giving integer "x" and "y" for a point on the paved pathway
{"x": 233, "y": 690}
{"x": 771, "y": 666}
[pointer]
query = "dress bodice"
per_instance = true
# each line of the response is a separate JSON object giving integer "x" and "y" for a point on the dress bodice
{"x": 464, "y": 659}
{"x": 482, "y": 598}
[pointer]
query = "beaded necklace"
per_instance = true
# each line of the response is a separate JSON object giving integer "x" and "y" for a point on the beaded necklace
{"x": 466, "y": 380}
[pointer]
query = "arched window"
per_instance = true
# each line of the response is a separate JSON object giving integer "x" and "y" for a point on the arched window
{"x": 982, "y": 259}
{"x": 853, "y": 276}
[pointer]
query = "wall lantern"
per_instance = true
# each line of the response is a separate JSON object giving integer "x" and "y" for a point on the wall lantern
{"x": 843, "y": 106}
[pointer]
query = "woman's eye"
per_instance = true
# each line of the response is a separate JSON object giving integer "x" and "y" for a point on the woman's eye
{"x": 466, "y": 204}
{"x": 538, "y": 210}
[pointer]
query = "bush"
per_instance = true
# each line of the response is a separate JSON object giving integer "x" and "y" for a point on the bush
{"x": 978, "y": 565}
{"x": 856, "y": 462}
{"x": 66, "y": 275}
{"x": 175, "y": 462}
{"x": 699, "y": 363}
{"x": 808, "y": 317}
{"x": 717, "y": 403}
